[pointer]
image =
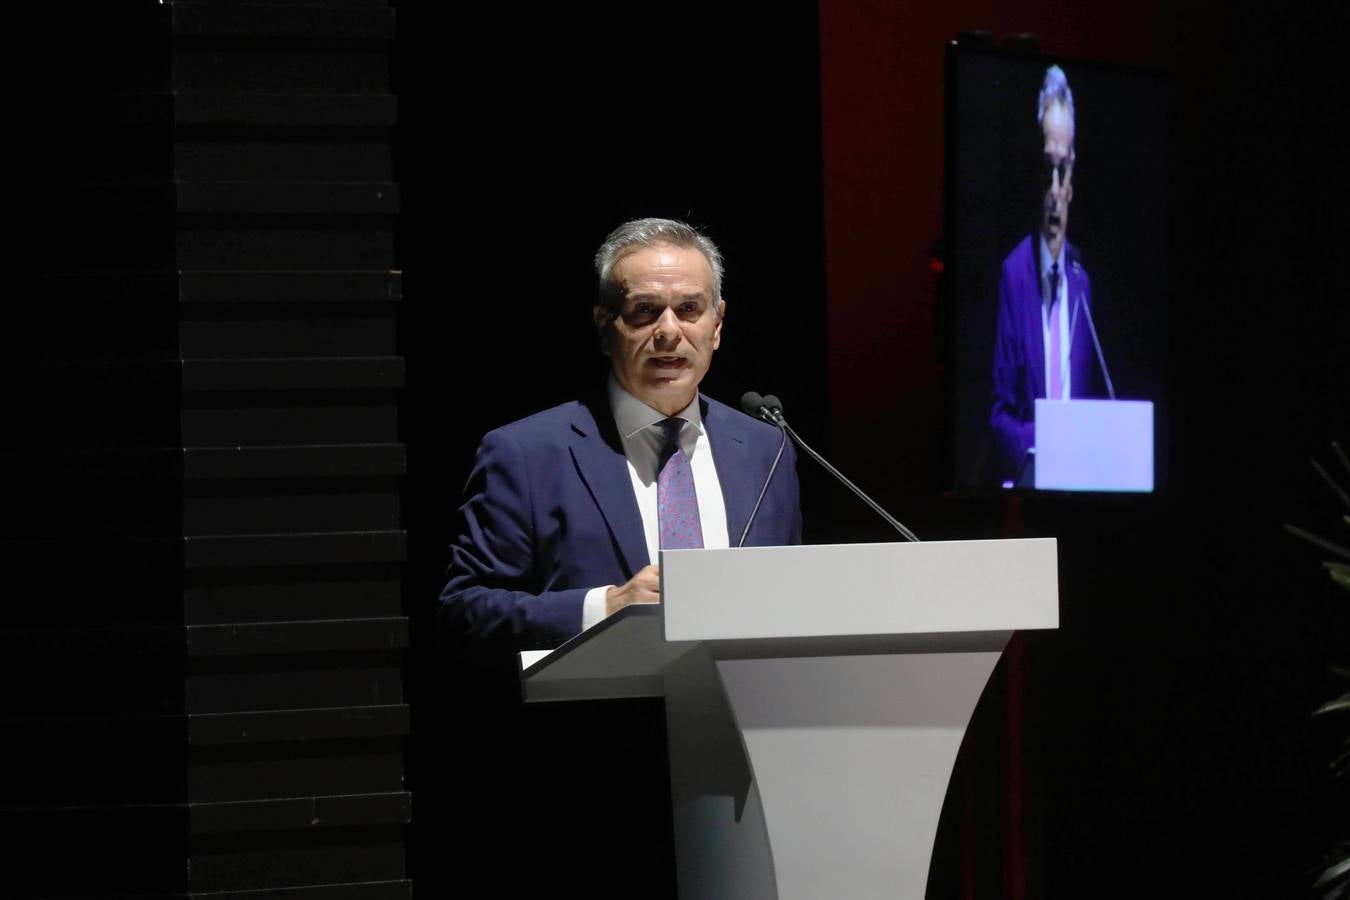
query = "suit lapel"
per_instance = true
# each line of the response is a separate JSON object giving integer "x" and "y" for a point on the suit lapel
{"x": 1034, "y": 327}
{"x": 731, "y": 455}
{"x": 599, "y": 458}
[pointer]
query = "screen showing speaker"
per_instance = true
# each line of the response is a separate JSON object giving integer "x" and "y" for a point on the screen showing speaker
{"x": 1056, "y": 273}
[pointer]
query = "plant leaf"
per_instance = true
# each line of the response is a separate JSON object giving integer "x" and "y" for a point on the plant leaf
{"x": 1317, "y": 540}
{"x": 1341, "y": 764}
{"x": 1336, "y": 448}
{"x": 1331, "y": 482}
{"x": 1333, "y": 873}
{"x": 1340, "y": 704}
{"x": 1340, "y": 573}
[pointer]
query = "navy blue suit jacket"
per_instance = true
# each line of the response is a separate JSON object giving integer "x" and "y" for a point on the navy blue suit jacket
{"x": 1019, "y": 350}
{"x": 549, "y": 513}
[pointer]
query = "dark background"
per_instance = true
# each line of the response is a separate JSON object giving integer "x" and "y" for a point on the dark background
{"x": 1118, "y": 222}
{"x": 1167, "y": 746}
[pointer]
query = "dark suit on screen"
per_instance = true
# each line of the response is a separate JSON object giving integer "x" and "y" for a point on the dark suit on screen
{"x": 549, "y": 513}
{"x": 1019, "y": 350}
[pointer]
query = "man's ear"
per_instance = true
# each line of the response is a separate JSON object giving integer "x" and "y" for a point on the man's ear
{"x": 717, "y": 329}
{"x": 603, "y": 323}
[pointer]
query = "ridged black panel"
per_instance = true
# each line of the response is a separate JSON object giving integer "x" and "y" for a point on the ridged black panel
{"x": 294, "y": 287}
{"x": 205, "y": 677}
{"x": 309, "y": 768}
{"x": 211, "y": 551}
{"x": 250, "y": 156}
{"x": 146, "y": 760}
{"x": 328, "y": 723}
{"x": 291, "y": 593}
{"x": 284, "y": 21}
{"x": 369, "y": 890}
{"x": 224, "y": 109}
{"x": 299, "y": 813}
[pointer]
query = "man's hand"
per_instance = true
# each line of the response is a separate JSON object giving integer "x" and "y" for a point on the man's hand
{"x": 644, "y": 587}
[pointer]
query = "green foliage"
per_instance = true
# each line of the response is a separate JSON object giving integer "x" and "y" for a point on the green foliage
{"x": 1340, "y": 572}
{"x": 1332, "y": 882}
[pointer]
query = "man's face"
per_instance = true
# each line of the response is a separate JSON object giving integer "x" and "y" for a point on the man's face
{"x": 1057, "y": 176}
{"x": 669, "y": 324}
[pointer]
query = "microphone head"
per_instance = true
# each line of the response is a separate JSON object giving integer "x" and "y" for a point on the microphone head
{"x": 773, "y": 402}
{"x": 752, "y": 403}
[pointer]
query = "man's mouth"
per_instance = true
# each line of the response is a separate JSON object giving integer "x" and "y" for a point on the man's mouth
{"x": 668, "y": 362}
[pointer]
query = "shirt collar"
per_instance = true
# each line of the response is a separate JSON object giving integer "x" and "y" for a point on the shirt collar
{"x": 1046, "y": 260}
{"x": 631, "y": 415}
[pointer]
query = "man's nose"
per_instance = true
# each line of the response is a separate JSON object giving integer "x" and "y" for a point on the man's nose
{"x": 667, "y": 328}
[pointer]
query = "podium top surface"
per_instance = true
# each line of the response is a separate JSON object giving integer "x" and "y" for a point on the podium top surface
{"x": 937, "y": 587}
{"x": 838, "y": 599}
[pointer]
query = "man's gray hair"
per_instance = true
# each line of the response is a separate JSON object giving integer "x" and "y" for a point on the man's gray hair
{"x": 651, "y": 233}
{"x": 1055, "y": 89}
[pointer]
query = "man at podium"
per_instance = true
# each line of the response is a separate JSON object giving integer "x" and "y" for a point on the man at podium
{"x": 565, "y": 511}
{"x": 1044, "y": 346}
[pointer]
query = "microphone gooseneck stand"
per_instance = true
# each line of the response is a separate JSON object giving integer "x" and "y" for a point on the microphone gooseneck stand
{"x": 770, "y": 409}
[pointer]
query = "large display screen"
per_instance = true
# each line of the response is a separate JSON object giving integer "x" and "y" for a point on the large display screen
{"x": 1056, "y": 273}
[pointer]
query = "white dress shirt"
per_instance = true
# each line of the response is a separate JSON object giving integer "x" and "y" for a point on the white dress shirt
{"x": 640, "y": 428}
{"x": 1064, "y": 330}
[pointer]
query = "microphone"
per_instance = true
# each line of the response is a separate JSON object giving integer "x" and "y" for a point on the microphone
{"x": 774, "y": 407}
{"x": 770, "y": 409}
{"x": 752, "y": 402}
{"x": 1097, "y": 344}
{"x": 767, "y": 407}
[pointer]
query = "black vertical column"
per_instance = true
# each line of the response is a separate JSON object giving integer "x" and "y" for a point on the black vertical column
{"x": 202, "y": 635}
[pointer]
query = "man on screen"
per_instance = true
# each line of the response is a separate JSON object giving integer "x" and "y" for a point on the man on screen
{"x": 565, "y": 511}
{"x": 1044, "y": 343}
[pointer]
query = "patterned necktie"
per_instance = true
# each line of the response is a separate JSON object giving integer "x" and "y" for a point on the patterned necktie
{"x": 676, "y": 501}
{"x": 1056, "y": 377}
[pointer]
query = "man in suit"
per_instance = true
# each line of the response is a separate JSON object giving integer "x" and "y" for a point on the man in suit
{"x": 1044, "y": 346}
{"x": 565, "y": 511}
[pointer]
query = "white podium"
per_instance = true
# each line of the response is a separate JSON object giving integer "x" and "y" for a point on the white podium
{"x": 816, "y": 698}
